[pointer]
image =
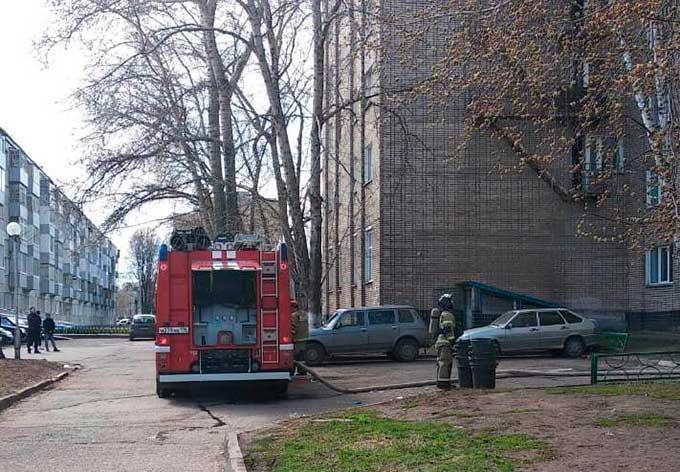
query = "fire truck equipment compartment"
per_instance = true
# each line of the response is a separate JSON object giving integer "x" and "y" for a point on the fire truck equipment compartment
{"x": 225, "y": 311}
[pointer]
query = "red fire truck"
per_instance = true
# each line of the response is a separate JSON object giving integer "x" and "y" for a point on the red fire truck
{"x": 223, "y": 314}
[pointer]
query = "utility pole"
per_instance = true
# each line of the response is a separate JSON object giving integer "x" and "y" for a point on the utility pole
{"x": 14, "y": 232}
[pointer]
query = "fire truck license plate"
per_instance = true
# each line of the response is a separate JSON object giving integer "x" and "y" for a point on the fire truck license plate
{"x": 173, "y": 330}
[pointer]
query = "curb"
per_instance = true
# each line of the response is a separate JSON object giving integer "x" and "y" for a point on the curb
{"x": 236, "y": 463}
{"x": 86, "y": 336}
{"x": 9, "y": 400}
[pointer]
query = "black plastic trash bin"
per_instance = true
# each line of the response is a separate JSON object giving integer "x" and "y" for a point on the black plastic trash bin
{"x": 463, "y": 362}
{"x": 483, "y": 363}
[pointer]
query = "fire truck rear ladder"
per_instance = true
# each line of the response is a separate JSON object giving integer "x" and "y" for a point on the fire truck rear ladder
{"x": 269, "y": 297}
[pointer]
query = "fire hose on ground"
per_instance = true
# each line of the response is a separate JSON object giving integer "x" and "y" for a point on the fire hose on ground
{"x": 505, "y": 374}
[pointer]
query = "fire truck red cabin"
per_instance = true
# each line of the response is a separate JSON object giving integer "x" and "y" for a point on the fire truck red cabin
{"x": 223, "y": 316}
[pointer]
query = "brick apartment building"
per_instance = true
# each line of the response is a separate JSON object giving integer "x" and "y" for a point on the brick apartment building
{"x": 67, "y": 267}
{"x": 410, "y": 214}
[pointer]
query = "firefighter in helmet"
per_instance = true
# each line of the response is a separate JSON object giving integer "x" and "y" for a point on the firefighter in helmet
{"x": 300, "y": 329}
{"x": 445, "y": 340}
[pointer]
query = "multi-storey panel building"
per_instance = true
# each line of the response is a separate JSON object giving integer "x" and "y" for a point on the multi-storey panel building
{"x": 67, "y": 267}
{"x": 411, "y": 212}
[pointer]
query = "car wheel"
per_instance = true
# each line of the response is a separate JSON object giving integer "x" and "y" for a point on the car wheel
{"x": 574, "y": 347}
{"x": 406, "y": 350}
{"x": 314, "y": 354}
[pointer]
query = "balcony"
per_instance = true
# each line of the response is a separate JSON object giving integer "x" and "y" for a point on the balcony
{"x": 47, "y": 286}
{"x": 68, "y": 292}
{"x": 18, "y": 174}
{"x": 48, "y": 258}
{"x": 32, "y": 282}
{"x": 17, "y": 210}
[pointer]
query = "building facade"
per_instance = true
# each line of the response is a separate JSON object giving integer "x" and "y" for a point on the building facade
{"x": 67, "y": 267}
{"x": 411, "y": 212}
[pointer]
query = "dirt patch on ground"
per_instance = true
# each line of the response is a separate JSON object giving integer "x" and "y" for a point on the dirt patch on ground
{"x": 18, "y": 374}
{"x": 571, "y": 423}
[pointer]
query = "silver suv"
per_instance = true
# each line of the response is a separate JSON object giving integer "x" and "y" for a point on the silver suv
{"x": 395, "y": 329}
{"x": 554, "y": 329}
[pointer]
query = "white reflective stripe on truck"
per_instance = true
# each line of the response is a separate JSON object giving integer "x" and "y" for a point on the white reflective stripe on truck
{"x": 171, "y": 378}
{"x": 161, "y": 348}
{"x": 287, "y": 347}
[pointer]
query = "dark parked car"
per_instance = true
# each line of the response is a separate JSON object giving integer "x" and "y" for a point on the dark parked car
{"x": 143, "y": 326}
{"x": 6, "y": 337}
{"x": 396, "y": 330}
{"x": 8, "y": 325}
{"x": 553, "y": 330}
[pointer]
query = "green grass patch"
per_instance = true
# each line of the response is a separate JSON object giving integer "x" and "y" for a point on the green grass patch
{"x": 365, "y": 442}
{"x": 657, "y": 390}
{"x": 649, "y": 420}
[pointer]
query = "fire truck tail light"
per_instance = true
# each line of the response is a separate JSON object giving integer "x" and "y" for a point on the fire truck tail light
{"x": 285, "y": 339}
{"x": 163, "y": 341}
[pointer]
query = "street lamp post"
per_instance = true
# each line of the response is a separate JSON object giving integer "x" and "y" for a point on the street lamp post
{"x": 14, "y": 232}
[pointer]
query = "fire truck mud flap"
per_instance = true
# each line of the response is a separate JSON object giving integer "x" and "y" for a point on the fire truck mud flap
{"x": 233, "y": 377}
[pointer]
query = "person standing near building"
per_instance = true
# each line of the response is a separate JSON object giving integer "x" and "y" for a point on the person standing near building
{"x": 48, "y": 329}
{"x": 445, "y": 341}
{"x": 300, "y": 329}
{"x": 33, "y": 335}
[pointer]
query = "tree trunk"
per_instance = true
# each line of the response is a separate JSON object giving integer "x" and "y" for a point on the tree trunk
{"x": 216, "y": 177}
{"x": 315, "y": 235}
{"x": 231, "y": 215}
{"x": 271, "y": 76}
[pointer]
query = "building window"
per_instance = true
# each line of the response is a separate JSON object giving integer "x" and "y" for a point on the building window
{"x": 368, "y": 256}
{"x": 601, "y": 152}
{"x": 659, "y": 262}
{"x": 368, "y": 163}
{"x": 654, "y": 191}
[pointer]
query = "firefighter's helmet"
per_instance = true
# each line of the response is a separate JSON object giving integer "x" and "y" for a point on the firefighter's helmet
{"x": 445, "y": 302}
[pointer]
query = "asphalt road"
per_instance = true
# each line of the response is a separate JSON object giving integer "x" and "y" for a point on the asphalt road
{"x": 106, "y": 416}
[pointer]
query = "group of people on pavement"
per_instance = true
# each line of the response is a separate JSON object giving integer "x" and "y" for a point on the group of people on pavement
{"x": 36, "y": 325}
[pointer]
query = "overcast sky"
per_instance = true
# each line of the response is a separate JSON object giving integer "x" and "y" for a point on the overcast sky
{"x": 34, "y": 105}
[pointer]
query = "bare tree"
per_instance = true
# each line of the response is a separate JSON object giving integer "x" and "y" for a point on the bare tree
{"x": 158, "y": 104}
{"x": 565, "y": 85}
{"x": 144, "y": 246}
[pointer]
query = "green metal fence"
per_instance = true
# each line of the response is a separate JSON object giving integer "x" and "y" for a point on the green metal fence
{"x": 634, "y": 367}
{"x": 92, "y": 330}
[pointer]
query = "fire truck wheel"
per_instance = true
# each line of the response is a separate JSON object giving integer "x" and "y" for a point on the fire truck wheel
{"x": 314, "y": 354}
{"x": 160, "y": 391}
{"x": 281, "y": 388}
{"x": 406, "y": 350}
